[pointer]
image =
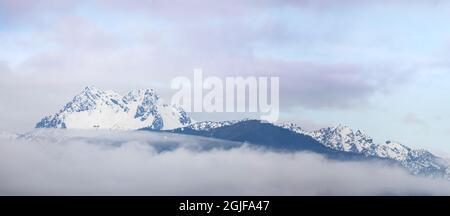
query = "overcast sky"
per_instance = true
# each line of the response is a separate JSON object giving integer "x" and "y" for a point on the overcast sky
{"x": 380, "y": 66}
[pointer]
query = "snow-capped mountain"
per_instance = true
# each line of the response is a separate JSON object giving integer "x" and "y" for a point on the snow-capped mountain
{"x": 262, "y": 134}
{"x": 208, "y": 125}
{"x": 93, "y": 108}
{"x": 343, "y": 138}
{"x": 340, "y": 138}
{"x": 142, "y": 108}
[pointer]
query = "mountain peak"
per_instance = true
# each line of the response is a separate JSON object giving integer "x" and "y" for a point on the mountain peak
{"x": 90, "y": 89}
{"x": 91, "y": 92}
{"x": 141, "y": 95}
{"x": 94, "y": 108}
{"x": 142, "y": 91}
{"x": 343, "y": 129}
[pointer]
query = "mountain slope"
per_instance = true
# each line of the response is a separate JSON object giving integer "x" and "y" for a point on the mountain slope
{"x": 343, "y": 138}
{"x": 339, "y": 142}
{"x": 263, "y": 134}
{"x": 94, "y": 108}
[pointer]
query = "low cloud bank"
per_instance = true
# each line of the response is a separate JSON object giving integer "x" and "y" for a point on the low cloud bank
{"x": 132, "y": 163}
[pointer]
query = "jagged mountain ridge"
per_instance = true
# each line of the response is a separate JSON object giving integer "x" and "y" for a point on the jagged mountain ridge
{"x": 266, "y": 135}
{"x": 142, "y": 108}
{"x": 93, "y": 108}
{"x": 341, "y": 139}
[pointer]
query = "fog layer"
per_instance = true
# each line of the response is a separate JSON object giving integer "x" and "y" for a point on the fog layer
{"x": 136, "y": 163}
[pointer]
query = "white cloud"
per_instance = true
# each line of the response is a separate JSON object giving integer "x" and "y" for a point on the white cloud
{"x": 79, "y": 163}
